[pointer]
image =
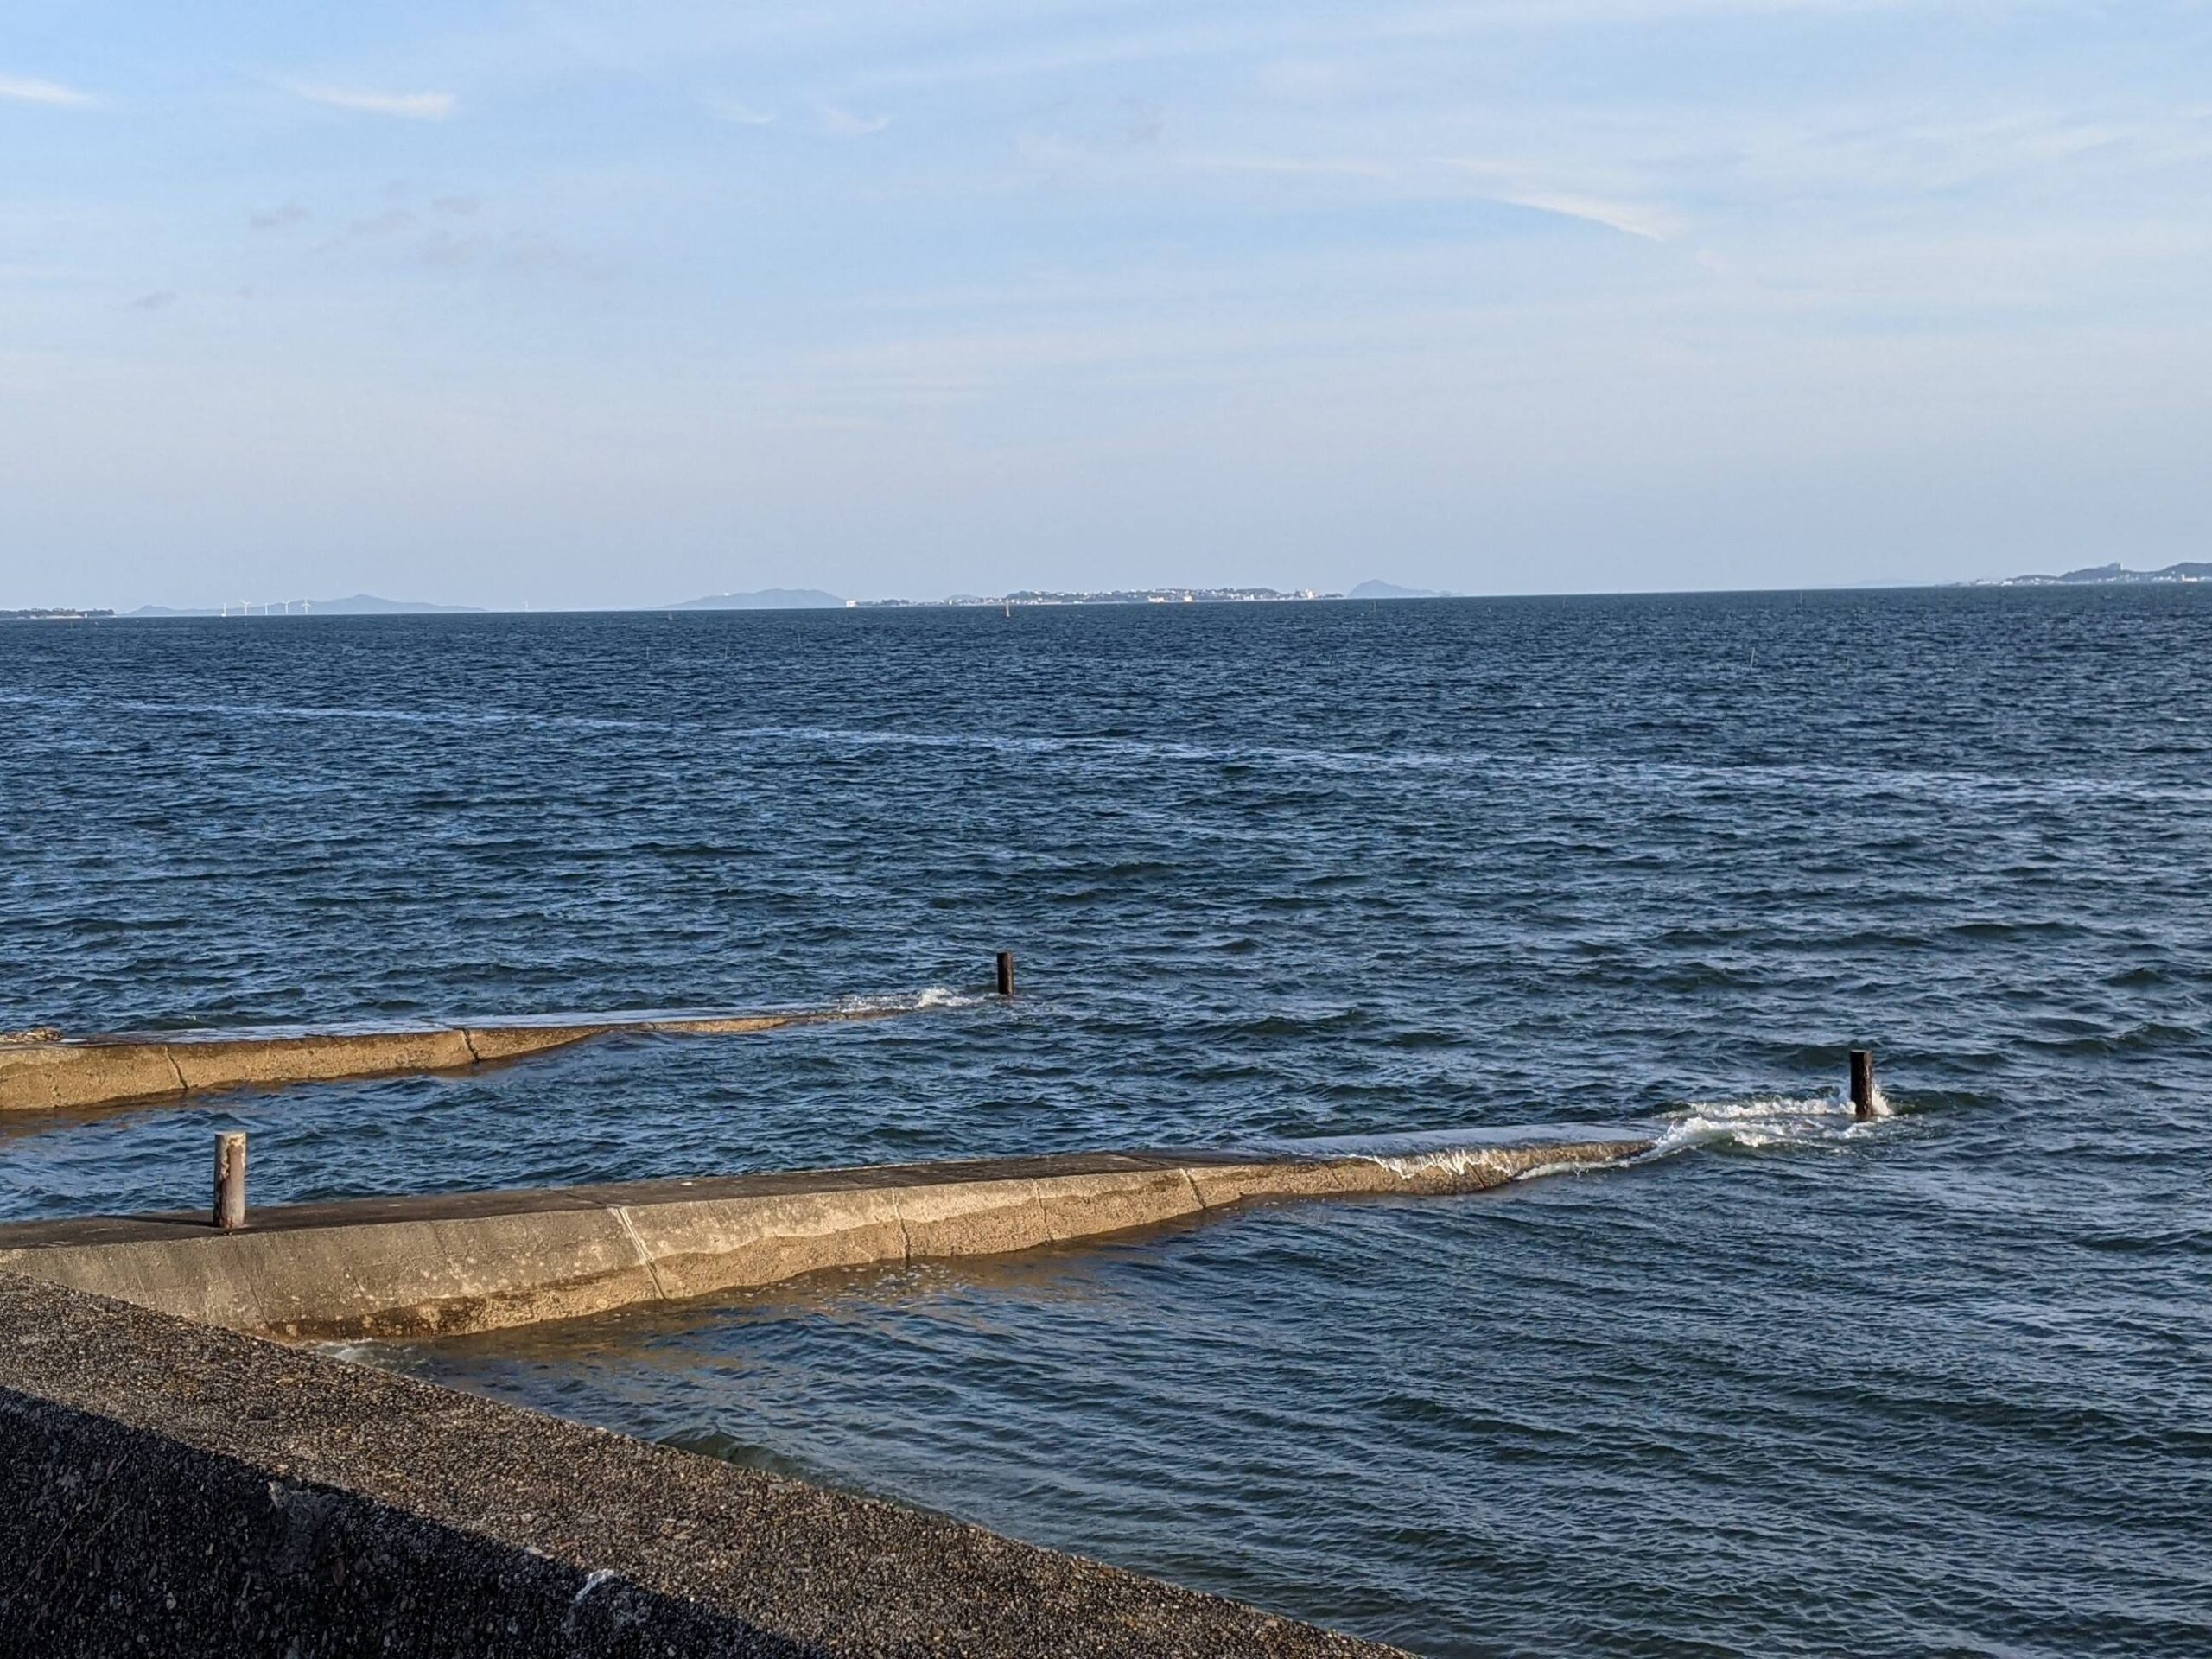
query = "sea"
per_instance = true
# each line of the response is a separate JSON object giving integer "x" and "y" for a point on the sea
{"x": 1378, "y": 878}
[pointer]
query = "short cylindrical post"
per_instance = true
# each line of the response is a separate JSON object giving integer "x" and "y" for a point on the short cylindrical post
{"x": 230, "y": 1182}
{"x": 1006, "y": 973}
{"x": 1862, "y": 1083}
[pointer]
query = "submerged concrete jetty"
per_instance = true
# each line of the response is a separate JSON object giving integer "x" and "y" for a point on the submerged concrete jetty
{"x": 423, "y": 1266}
{"x": 173, "y": 1489}
{"x": 42, "y": 1071}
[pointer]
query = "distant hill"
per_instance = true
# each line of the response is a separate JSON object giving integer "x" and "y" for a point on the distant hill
{"x": 369, "y": 605}
{"x": 1391, "y": 590}
{"x": 2114, "y": 572}
{"x": 767, "y": 599}
{"x": 353, "y": 605}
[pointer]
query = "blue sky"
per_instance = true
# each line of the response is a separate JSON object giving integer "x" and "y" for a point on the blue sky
{"x": 607, "y": 306}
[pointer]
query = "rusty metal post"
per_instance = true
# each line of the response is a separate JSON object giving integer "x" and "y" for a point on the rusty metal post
{"x": 1006, "y": 973}
{"x": 230, "y": 1182}
{"x": 1862, "y": 1083}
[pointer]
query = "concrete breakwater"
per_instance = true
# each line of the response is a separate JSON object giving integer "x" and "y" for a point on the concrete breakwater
{"x": 419, "y": 1267}
{"x": 43, "y": 1071}
{"x": 175, "y": 1489}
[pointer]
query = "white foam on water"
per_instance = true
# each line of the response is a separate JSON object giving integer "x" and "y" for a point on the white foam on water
{"x": 930, "y": 996}
{"x": 1464, "y": 1161}
{"x": 1756, "y": 1124}
{"x": 1764, "y": 1121}
{"x": 1544, "y": 1171}
{"x": 1413, "y": 1143}
{"x": 1461, "y": 1151}
{"x": 1456, "y": 1160}
{"x": 350, "y": 1353}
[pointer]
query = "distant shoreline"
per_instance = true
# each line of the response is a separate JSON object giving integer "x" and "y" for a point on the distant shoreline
{"x": 2178, "y": 575}
{"x": 2108, "y": 575}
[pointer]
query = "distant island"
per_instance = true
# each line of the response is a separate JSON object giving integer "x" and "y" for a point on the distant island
{"x": 1391, "y": 590}
{"x": 62, "y": 615}
{"x": 2113, "y": 572}
{"x": 813, "y": 599}
{"x": 804, "y": 599}
{"x": 766, "y": 599}
{"x": 352, "y": 605}
{"x": 1109, "y": 596}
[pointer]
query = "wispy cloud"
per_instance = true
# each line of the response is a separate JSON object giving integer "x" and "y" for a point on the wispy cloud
{"x": 843, "y": 124}
{"x": 276, "y": 218}
{"x": 1483, "y": 180}
{"x": 1629, "y": 218}
{"x": 464, "y": 207}
{"x": 159, "y": 301}
{"x": 407, "y": 106}
{"x": 24, "y": 91}
{"x": 738, "y": 114}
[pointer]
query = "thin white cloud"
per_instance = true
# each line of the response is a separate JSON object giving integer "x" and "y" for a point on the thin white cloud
{"x": 843, "y": 124}
{"x": 738, "y": 114}
{"x": 407, "y": 106}
{"x": 1629, "y": 218}
{"x": 1515, "y": 189}
{"x": 1650, "y": 222}
{"x": 24, "y": 91}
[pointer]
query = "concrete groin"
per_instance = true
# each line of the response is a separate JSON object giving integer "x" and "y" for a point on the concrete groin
{"x": 421, "y": 1267}
{"x": 174, "y": 1489}
{"x": 41, "y": 1070}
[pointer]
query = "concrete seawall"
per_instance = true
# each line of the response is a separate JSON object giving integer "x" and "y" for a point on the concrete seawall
{"x": 483, "y": 1262}
{"x": 171, "y": 1488}
{"x": 40, "y": 1073}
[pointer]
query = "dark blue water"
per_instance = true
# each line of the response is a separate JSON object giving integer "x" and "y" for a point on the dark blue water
{"x": 1939, "y": 1384}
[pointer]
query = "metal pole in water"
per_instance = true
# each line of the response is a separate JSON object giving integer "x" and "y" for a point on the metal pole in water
{"x": 230, "y": 1182}
{"x": 1006, "y": 973}
{"x": 1862, "y": 1083}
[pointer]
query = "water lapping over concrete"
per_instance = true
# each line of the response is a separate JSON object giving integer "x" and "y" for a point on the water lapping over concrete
{"x": 40, "y": 1070}
{"x": 486, "y": 1261}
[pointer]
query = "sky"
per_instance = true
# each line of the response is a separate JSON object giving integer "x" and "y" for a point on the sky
{"x": 580, "y": 306}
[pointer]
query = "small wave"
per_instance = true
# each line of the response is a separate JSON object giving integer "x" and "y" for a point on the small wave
{"x": 1454, "y": 1160}
{"x": 1573, "y": 771}
{"x": 930, "y": 996}
{"x": 1473, "y": 1161}
{"x": 1494, "y": 1149}
{"x": 1577, "y": 1166}
{"x": 1764, "y": 1121}
{"x": 353, "y": 1353}
{"x": 1420, "y": 1143}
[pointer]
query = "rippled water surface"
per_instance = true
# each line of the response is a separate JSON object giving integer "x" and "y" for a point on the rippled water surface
{"x": 1942, "y": 1383}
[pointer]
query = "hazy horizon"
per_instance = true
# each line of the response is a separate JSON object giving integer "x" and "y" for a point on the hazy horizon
{"x": 387, "y": 604}
{"x": 472, "y": 306}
